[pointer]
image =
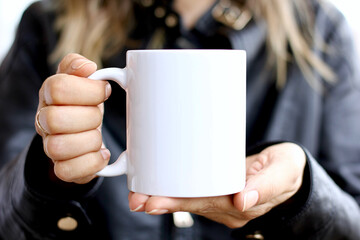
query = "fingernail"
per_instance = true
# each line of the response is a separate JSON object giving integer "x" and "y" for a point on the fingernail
{"x": 105, "y": 153}
{"x": 250, "y": 200}
{"x": 157, "y": 211}
{"x": 107, "y": 91}
{"x": 137, "y": 209}
{"x": 79, "y": 63}
{"x": 46, "y": 139}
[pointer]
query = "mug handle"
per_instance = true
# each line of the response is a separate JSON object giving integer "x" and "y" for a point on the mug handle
{"x": 118, "y": 75}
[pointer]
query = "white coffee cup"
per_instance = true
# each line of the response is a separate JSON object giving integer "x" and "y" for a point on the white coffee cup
{"x": 185, "y": 122}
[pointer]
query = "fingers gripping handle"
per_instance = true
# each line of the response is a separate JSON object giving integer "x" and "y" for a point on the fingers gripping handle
{"x": 117, "y": 75}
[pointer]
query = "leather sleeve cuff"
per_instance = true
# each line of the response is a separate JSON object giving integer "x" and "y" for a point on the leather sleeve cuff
{"x": 41, "y": 180}
{"x": 39, "y": 205}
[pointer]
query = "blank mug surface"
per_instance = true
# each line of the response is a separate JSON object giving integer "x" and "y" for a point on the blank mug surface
{"x": 185, "y": 122}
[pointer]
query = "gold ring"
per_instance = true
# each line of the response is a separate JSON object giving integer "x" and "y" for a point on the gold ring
{"x": 37, "y": 121}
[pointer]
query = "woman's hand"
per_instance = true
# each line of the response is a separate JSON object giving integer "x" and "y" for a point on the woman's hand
{"x": 69, "y": 118}
{"x": 273, "y": 176}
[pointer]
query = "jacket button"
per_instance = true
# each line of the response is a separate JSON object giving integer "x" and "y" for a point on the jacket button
{"x": 171, "y": 20}
{"x": 255, "y": 236}
{"x": 147, "y": 3}
{"x": 67, "y": 224}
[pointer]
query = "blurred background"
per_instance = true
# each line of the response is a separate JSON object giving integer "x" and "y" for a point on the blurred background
{"x": 10, "y": 14}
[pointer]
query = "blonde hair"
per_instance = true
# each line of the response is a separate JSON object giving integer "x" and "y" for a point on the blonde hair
{"x": 93, "y": 28}
{"x": 99, "y": 28}
{"x": 290, "y": 25}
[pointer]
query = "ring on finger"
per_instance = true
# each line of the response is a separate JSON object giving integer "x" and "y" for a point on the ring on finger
{"x": 37, "y": 121}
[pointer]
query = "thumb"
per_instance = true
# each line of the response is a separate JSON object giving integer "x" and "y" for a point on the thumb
{"x": 260, "y": 188}
{"x": 246, "y": 199}
{"x": 77, "y": 65}
{"x": 273, "y": 176}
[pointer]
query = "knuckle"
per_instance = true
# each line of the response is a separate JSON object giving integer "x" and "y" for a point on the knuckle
{"x": 56, "y": 90}
{"x": 84, "y": 180}
{"x": 51, "y": 79}
{"x": 52, "y": 119}
{"x": 41, "y": 90}
{"x": 236, "y": 223}
{"x": 54, "y": 147}
{"x": 70, "y": 56}
{"x": 66, "y": 61}
{"x": 53, "y": 89}
{"x": 63, "y": 171}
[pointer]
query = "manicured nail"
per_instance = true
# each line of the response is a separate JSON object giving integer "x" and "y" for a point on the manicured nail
{"x": 105, "y": 153}
{"x": 137, "y": 209}
{"x": 79, "y": 63}
{"x": 107, "y": 91}
{"x": 250, "y": 200}
{"x": 157, "y": 211}
{"x": 46, "y": 140}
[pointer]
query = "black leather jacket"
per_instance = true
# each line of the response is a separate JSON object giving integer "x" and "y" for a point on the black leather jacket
{"x": 326, "y": 125}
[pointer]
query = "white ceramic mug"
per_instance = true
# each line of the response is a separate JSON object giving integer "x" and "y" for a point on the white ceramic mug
{"x": 185, "y": 122}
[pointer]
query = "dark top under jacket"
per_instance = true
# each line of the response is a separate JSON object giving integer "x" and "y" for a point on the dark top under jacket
{"x": 326, "y": 125}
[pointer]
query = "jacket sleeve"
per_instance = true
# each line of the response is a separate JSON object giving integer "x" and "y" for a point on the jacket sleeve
{"x": 327, "y": 205}
{"x": 332, "y": 209}
{"x": 30, "y": 204}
